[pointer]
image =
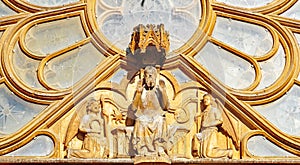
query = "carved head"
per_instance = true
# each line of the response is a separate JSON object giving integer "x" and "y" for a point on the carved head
{"x": 93, "y": 106}
{"x": 207, "y": 99}
{"x": 150, "y": 76}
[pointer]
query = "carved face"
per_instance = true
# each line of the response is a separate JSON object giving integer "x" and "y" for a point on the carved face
{"x": 94, "y": 107}
{"x": 206, "y": 100}
{"x": 150, "y": 77}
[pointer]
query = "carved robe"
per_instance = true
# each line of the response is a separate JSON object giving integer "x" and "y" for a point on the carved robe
{"x": 93, "y": 144}
{"x": 212, "y": 118}
{"x": 150, "y": 129}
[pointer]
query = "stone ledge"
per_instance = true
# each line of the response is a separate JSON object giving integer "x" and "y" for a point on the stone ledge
{"x": 125, "y": 161}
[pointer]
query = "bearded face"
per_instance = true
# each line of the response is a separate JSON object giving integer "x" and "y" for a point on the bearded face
{"x": 150, "y": 80}
{"x": 150, "y": 77}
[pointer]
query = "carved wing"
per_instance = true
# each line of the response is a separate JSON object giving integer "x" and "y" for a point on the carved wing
{"x": 72, "y": 130}
{"x": 228, "y": 125}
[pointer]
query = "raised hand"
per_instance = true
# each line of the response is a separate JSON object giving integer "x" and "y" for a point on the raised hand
{"x": 139, "y": 87}
{"x": 162, "y": 85}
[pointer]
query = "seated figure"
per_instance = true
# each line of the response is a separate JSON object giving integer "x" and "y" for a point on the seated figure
{"x": 150, "y": 104}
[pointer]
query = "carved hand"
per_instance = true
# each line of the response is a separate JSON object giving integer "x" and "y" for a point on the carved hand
{"x": 139, "y": 87}
{"x": 162, "y": 85}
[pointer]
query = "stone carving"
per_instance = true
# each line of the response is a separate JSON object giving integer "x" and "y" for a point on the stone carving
{"x": 210, "y": 120}
{"x": 148, "y": 46}
{"x": 144, "y": 36}
{"x": 150, "y": 103}
{"x": 150, "y": 128}
{"x": 88, "y": 125}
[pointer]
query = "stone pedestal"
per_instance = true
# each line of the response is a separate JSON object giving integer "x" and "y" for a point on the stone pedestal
{"x": 147, "y": 160}
{"x": 122, "y": 144}
{"x": 181, "y": 141}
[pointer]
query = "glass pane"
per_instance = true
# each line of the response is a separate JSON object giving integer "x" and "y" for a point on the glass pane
{"x": 40, "y": 146}
{"x": 272, "y": 69}
{"x": 297, "y": 37}
{"x": 230, "y": 69}
{"x": 293, "y": 12}
{"x": 246, "y": 3}
{"x": 113, "y": 3}
{"x": 298, "y": 40}
{"x": 25, "y": 68}
{"x": 284, "y": 112}
{"x": 46, "y": 38}
{"x": 15, "y": 112}
{"x": 118, "y": 76}
{"x": 182, "y": 3}
{"x": 51, "y": 3}
{"x": 251, "y": 39}
{"x": 5, "y": 10}
{"x": 180, "y": 76}
{"x": 118, "y": 27}
{"x": 260, "y": 146}
{"x": 67, "y": 69}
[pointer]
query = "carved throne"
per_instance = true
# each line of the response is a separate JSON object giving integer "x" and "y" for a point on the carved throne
{"x": 148, "y": 47}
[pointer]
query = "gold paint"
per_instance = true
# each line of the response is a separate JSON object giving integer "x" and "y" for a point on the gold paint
{"x": 54, "y": 121}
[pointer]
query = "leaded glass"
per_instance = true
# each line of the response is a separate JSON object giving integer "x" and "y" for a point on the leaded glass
{"x": 46, "y": 38}
{"x": 230, "y": 69}
{"x": 117, "y": 26}
{"x": 260, "y": 146}
{"x": 297, "y": 37}
{"x": 251, "y": 39}
{"x": 39, "y": 146}
{"x": 26, "y": 68}
{"x": 5, "y": 10}
{"x": 64, "y": 71}
{"x": 180, "y": 76}
{"x": 293, "y": 12}
{"x": 57, "y": 55}
{"x": 51, "y": 3}
{"x": 15, "y": 112}
{"x": 118, "y": 76}
{"x": 246, "y": 3}
{"x": 272, "y": 69}
{"x": 284, "y": 112}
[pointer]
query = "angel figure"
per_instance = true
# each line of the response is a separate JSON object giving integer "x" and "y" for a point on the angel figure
{"x": 214, "y": 118}
{"x": 91, "y": 127}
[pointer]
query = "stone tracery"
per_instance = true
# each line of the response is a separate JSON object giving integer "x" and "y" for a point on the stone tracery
{"x": 34, "y": 82}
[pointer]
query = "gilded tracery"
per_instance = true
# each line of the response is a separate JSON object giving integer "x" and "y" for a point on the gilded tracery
{"x": 57, "y": 54}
